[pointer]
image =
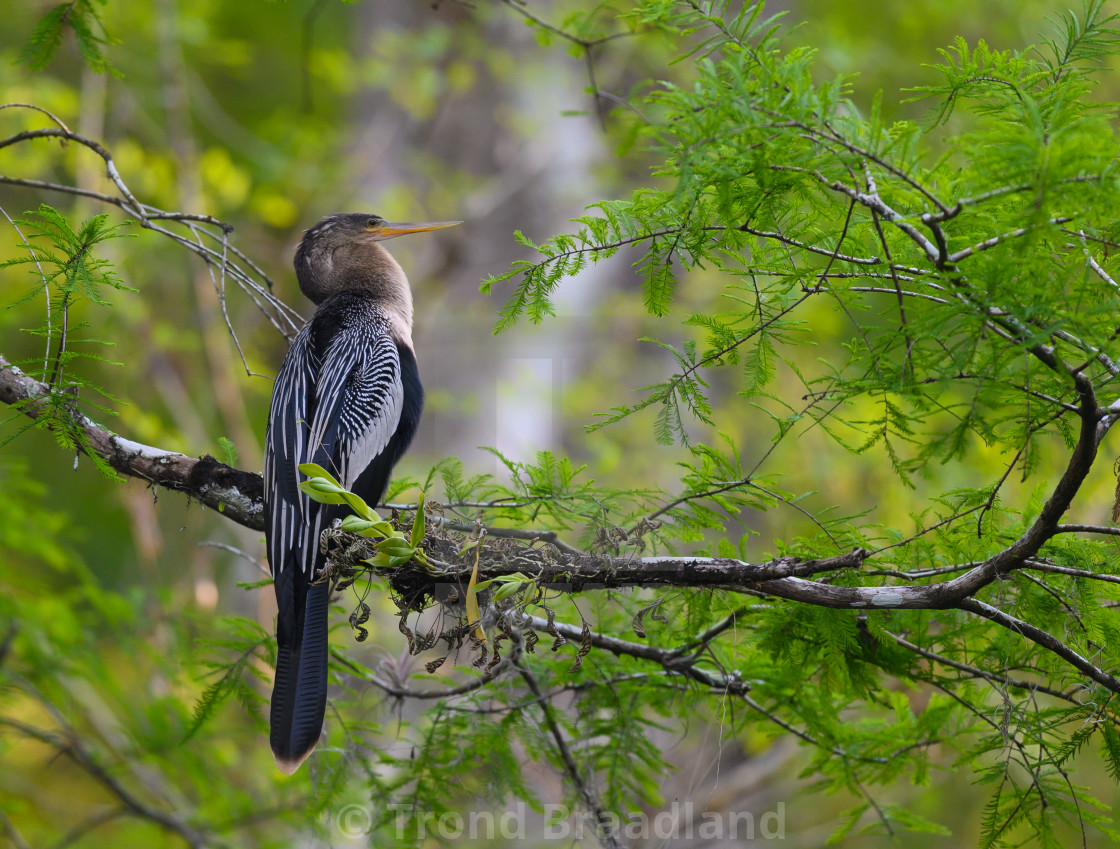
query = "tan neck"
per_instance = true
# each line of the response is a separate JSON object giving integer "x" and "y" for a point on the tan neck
{"x": 369, "y": 267}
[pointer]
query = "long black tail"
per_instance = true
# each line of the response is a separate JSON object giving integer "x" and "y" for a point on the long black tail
{"x": 299, "y": 696}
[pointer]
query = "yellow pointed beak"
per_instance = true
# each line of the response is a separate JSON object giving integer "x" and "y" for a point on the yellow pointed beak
{"x": 388, "y": 230}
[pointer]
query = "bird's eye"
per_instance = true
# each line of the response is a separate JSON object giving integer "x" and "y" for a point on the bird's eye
{"x": 373, "y": 221}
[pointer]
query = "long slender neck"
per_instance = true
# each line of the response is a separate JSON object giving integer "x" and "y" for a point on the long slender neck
{"x": 367, "y": 267}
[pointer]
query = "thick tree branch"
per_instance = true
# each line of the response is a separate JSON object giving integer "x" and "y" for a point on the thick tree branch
{"x": 950, "y": 593}
{"x": 561, "y": 570}
{"x": 780, "y": 577}
{"x": 236, "y": 494}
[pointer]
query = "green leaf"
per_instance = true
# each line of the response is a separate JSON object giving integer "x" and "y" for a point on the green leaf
{"x": 228, "y": 451}
{"x": 322, "y": 491}
{"x": 418, "y": 525}
{"x": 313, "y": 470}
{"x": 81, "y": 17}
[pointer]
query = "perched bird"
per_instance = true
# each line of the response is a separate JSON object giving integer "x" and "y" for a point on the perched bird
{"x": 348, "y": 398}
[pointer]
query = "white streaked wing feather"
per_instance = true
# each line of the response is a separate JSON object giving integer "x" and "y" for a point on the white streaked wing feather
{"x": 372, "y": 410}
{"x": 285, "y": 448}
{"x": 360, "y": 401}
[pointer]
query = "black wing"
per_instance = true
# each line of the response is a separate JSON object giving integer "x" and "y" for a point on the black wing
{"x": 337, "y": 402}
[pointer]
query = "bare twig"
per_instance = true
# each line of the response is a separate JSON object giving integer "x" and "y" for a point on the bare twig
{"x": 1046, "y": 640}
{"x": 244, "y": 271}
{"x": 244, "y": 555}
{"x": 585, "y": 44}
{"x": 1003, "y": 237}
{"x": 976, "y": 672}
{"x": 68, "y": 744}
{"x": 606, "y": 831}
{"x": 527, "y": 534}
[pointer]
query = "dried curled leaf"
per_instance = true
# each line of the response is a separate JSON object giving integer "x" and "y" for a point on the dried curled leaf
{"x": 1116, "y": 497}
{"x": 496, "y": 657}
{"x": 402, "y": 626}
{"x": 359, "y": 617}
{"x": 584, "y": 646}
{"x": 559, "y": 642}
{"x": 432, "y": 665}
{"x": 483, "y": 652}
{"x": 652, "y": 610}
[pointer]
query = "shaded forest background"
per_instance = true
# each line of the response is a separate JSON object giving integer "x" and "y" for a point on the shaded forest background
{"x": 269, "y": 115}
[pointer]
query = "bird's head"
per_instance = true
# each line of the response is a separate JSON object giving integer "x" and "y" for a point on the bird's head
{"x": 342, "y": 252}
{"x": 350, "y": 228}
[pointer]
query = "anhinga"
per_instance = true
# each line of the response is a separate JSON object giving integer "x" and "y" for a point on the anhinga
{"x": 348, "y": 398}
